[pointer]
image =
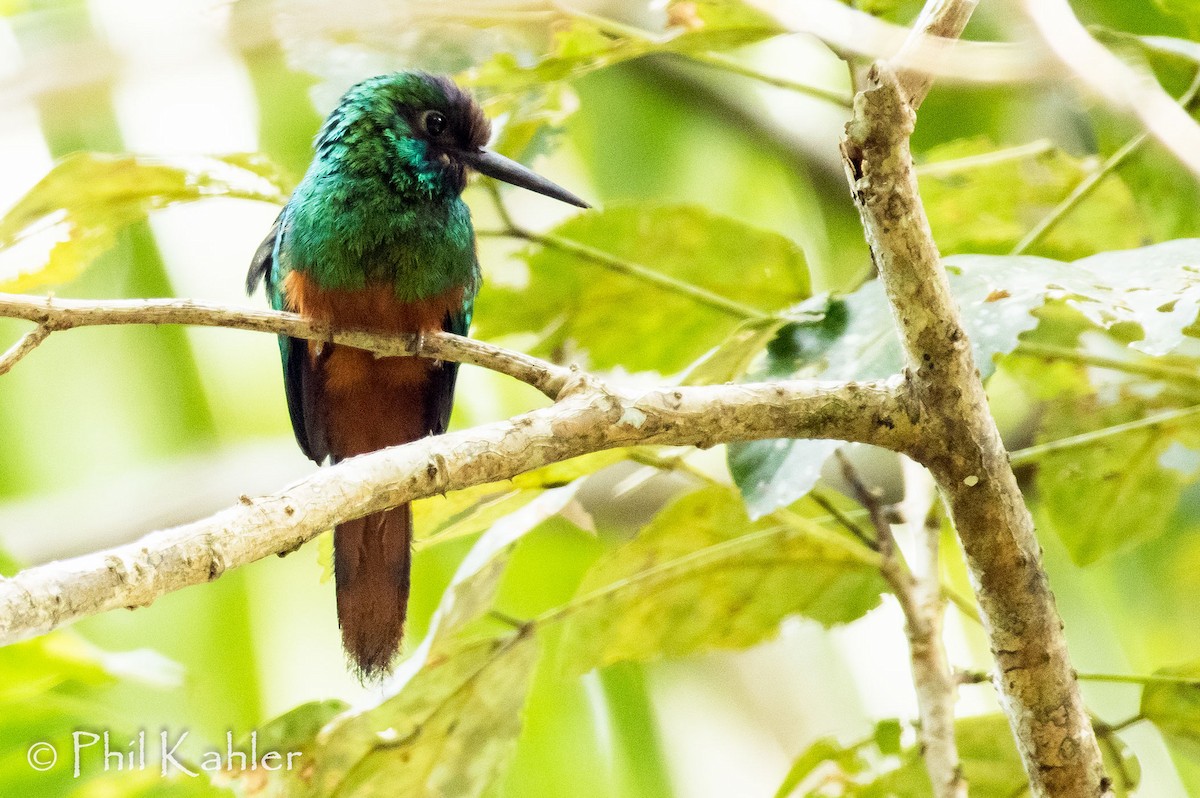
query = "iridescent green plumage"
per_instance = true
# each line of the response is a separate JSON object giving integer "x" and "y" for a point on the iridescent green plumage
{"x": 380, "y": 203}
{"x": 376, "y": 236}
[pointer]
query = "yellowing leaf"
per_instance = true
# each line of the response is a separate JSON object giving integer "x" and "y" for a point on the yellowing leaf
{"x": 1175, "y": 709}
{"x": 450, "y": 730}
{"x": 1113, "y": 493}
{"x": 74, "y": 213}
{"x": 467, "y": 512}
{"x": 990, "y": 206}
{"x": 701, "y": 575}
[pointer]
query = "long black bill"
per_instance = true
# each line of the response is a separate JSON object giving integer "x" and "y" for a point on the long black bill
{"x": 495, "y": 165}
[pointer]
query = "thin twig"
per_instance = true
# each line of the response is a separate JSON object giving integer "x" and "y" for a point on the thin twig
{"x": 1148, "y": 368}
{"x": 984, "y": 159}
{"x": 732, "y": 65}
{"x": 818, "y": 496}
{"x": 940, "y": 21}
{"x": 1153, "y": 678}
{"x": 894, "y": 569}
{"x": 920, "y": 600}
{"x": 620, "y": 265}
{"x": 1091, "y": 181}
{"x": 1122, "y": 725}
{"x": 730, "y": 307}
{"x": 853, "y": 33}
{"x": 53, "y": 314}
{"x": 1031, "y": 454}
{"x": 23, "y": 346}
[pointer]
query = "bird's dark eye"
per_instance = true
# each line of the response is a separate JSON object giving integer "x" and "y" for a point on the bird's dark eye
{"x": 434, "y": 122}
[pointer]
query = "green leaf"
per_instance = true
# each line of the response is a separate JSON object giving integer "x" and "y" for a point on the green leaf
{"x": 773, "y": 474}
{"x": 650, "y": 263}
{"x": 53, "y": 686}
{"x": 732, "y": 358}
{"x": 449, "y": 731}
{"x": 8, "y": 565}
{"x": 575, "y": 50}
{"x": 987, "y": 753}
{"x": 1156, "y": 288}
{"x": 450, "y": 725}
{"x": 701, "y": 575}
{"x": 1166, "y": 196}
{"x": 988, "y": 206}
{"x": 149, "y": 783}
{"x": 473, "y": 587}
{"x": 530, "y": 121}
{"x": 853, "y": 338}
{"x": 989, "y": 758}
{"x": 1175, "y": 710}
{"x": 826, "y": 749}
{"x": 588, "y": 44}
{"x": 556, "y": 475}
{"x": 466, "y": 512}
{"x": 295, "y": 731}
{"x": 298, "y": 726}
{"x": 990, "y": 764}
{"x": 719, "y": 24}
{"x": 1113, "y": 493}
{"x": 1187, "y": 11}
{"x": 74, "y": 213}
{"x": 31, "y": 667}
{"x": 887, "y": 736}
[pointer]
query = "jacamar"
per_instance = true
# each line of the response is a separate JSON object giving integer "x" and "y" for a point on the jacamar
{"x": 376, "y": 237}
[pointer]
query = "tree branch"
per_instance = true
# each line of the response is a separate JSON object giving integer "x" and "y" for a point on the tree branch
{"x": 589, "y": 416}
{"x": 852, "y": 33}
{"x": 53, "y": 314}
{"x": 24, "y": 345}
{"x": 940, "y": 21}
{"x": 1089, "y": 183}
{"x": 1125, "y": 89}
{"x": 961, "y": 446}
{"x": 920, "y": 601}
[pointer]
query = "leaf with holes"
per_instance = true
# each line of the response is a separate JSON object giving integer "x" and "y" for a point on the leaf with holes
{"x": 1156, "y": 288}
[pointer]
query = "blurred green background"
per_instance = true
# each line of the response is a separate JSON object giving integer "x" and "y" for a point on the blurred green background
{"x": 112, "y": 432}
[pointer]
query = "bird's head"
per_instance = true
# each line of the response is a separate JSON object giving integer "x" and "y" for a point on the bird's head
{"x": 430, "y": 130}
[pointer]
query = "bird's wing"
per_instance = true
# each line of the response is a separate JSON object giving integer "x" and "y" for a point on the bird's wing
{"x": 441, "y": 386}
{"x": 302, "y": 381}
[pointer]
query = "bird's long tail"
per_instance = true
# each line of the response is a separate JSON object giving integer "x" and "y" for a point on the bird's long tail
{"x": 372, "y": 557}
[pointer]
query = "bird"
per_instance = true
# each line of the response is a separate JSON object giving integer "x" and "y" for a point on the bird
{"x": 376, "y": 236}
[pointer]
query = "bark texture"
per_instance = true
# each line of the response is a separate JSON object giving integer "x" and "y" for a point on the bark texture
{"x": 589, "y": 417}
{"x": 961, "y": 446}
